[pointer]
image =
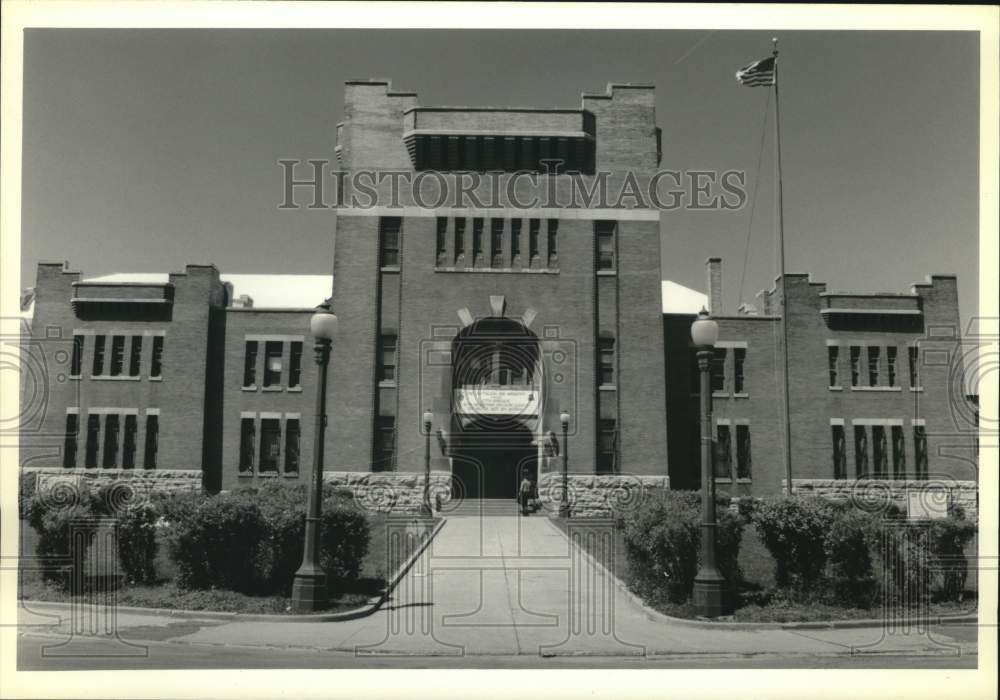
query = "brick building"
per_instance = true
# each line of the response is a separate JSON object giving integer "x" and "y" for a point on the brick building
{"x": 494, "y": 319}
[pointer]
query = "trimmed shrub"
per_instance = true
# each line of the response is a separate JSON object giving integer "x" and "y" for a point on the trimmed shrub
{"x": 847, "y": 545}
{"x": 948, "y": 540}
{"x": 662, "y": 542}
{"x": 54, "y": 525}
{"x": 137, "y": 542}
{"x": 793, "y": 529}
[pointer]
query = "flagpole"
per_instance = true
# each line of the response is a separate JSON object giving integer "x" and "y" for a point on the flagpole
{"x": 787, "y": 442}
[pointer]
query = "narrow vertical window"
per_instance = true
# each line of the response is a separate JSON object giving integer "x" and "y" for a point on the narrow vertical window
{"x": 920, "y": 451}
{"x": 890, "y": 365}
{"x": 387, "y": 358}
{"x": 135, "y": 357}
{"x": 152, "y": 445}
{"x": 496, "y": 242}
{"x": 914, "y": 357}
{"x": 110, "y": 460}
{"x": 880, "y": 452}
{"x": 718, "y": 369}
{"x": 459, "y": 240}
{"x": 606, "y": 360}
{"x": 250, "y": 364}
{"x": 156, "y": 364}
{"x": 608, "y": 446}
{"x": 477, "y": 242}
{"x": 553, "y": 233}
{"x": 248, "y": 442}
{"x": 861, "y": 452}
{"x": 117, "y": 354}
{"x": 128, "y": 444}
{"x": 385, "y": 443}
{"x": 76, "y": 363}
{"x": 723, "y": 453}
{"x": 272, "y": 363}
{"x": 515, "y": 242}
{"x": 739, "y": 360}
{"x": 292, "y": 437}
{"x": 839, "y": 452}
{"x": 270, "y": 444}
{"x": 832, "y": 359}
{"x": 440, "y": 244}
{"x": 898, "y": 453}
{"x": 533, "y": 227}
{"x": 874, "y": 353}
{"x": 295, "y": 364}
{"x": 605, "y": 244}
{"x": 99, "y": 341}
{"x": 855, "y": 365}
{"x": 389, "y": 227}
{"x": 93, "y": 435}
{"x": 743, "y": 458}
{"x": 69, "y": 444}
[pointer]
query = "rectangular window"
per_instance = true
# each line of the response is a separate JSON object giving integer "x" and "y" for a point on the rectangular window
{"x": 855, "y": 365}
{"x": 440, "y": 245}
{"x": 270, "y": 444}
{"x": 607, "y": 446}
{"x": 920, "y": 451}
{"x": 135, "y": 356}
{"x": 553, "y": 233}
{"x": 914, "y": 356}
{"x": 292, "y": 437}
{"x": 93, "y": 435}
{"x": 387, "y": 359}
{"x": 272, "y": 362}
{"x": 832, "y": 359}
{"x": 880, "y": 452}
{"x": 605, "y": 244}
{"x": 898, "y": 453}
{"x": 515, "y": 242}
{"x": 839, "y": 452}
{"x": 110, "y": 459}
{"x": 861, "y": 452}
{"x": 69, "y": 444}
{"x": 718, "y": 369}
{"x": 152, "y": 445}
{"x": 739, "y": 360}
{"x": 76, "y": 363}
{"x": 459, "y": 239}
{"x": 250, "y": 363}
{"x": 743, "y": 460}
{"x": 385, "y": 443}
{"x": 388, "y": 237}
{"x": 156, "y": 365}
{"x": 533, "y": 227}
{"x": 128, "y": 448}
{"x": 606, "y": 359}
{"x": 723, "y": 453}
{"x": 477, "y": 242}
{"x": 99, "y": 341}
{"x": 496, "y": 242}
{"x": 248, "y": 442}
{"x": 117, "y": 354}
{"x": 890, "y": 360}
{"x": 873, "y": 364}
{"x": 295, "y": 364}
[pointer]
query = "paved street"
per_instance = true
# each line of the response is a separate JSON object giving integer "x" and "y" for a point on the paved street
{"x": 490, "y": 591}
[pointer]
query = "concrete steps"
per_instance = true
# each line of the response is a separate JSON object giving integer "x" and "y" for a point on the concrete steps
{"x": 478, "y": 507}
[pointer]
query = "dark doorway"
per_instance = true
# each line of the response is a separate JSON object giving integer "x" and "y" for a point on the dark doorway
{"x": 487, "y": 464}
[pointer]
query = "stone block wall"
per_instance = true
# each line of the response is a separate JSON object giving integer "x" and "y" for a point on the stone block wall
{"x": 872, "y": 492}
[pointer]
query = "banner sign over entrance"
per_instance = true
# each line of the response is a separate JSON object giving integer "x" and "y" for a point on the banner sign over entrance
{"x": 483, "y": 401}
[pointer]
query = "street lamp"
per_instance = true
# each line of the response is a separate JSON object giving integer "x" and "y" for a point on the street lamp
{"x": 564, "y": 499}
{"x": 709, "y": 585}
{"x": 426, "y": 509}
{"x": 309, "y": 586}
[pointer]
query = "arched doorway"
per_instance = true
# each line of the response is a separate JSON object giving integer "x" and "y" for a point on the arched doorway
{"x": 496, "y": 402}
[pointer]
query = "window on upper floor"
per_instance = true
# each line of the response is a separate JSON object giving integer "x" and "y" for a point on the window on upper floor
{"x": 553, "y": 241}
{"x": 117, "y": 354}
{"x": 890, "y": 360}
{"x": 152, "y": 445}
{"x": 128, "y": 442}
{"x": 477, "y": 243}
{"x": 250, "y": 364}
{"x": 388, "y": 236}
{"x": 93, "y": 436}
{"x": 605, "y": 231}
{"x": 898, "y": 453}
{"x": 110, "y": 455}
{"x": 533, "y": 228}
{"x": 76, "y": 363}
{"x": 914, "y": 359}
{"x": 723, "y": 453}
{"x": 855, "y": 365}
{"x": 156, "y": 364}
{"x": 839, "y": 452}
{"x": 832, "y": 364}
{"x": 861, "y": 451}
{"x": 295, "y": 364}
{"x": 440, "y": 244}
{"x": 270, "y": 444}
{"x": 718, "y": 369}
{"x": 496, "y": 243}
{"x": 880, "y": 452}
{"x": 292, "y": 439}
{"x": 515, "y": 242}
{"x": 606, "y": 360}
{"x": 98, "y": 369}
{"x": 874, "y": 364}
{"x": 135, "y": 356}
{"x": 70, "y": 441}
{"x": 739, "y": 378}
{"x": 920, "y": 451}
{"x": 387, "y": 357}
{"x": 607, "y": 452}
{"x": 248, "y": 439}
{"x": 272, "y": 363}
{"x": 459, "y": 241}
{"x": 744, "y": 462}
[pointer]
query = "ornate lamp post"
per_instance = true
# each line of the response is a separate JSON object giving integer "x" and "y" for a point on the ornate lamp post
{"x": 709, "y": 585}
{"x": 564, "y": 499}
{"x": 309, "y": 586}
{"x": 426, "y": 509}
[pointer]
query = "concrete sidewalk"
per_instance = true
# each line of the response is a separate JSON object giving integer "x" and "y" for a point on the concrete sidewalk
{"x": 506, "y": 586}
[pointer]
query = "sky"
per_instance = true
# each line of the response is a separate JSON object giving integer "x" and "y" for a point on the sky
{"x": 145, "y": 150}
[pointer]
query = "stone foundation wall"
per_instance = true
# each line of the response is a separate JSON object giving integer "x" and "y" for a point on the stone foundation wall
{"x": 34, "y": 479}
{"x": 598, "y": 495}
{"x": 391, "y": 491}
{"x": 875, "y": 491}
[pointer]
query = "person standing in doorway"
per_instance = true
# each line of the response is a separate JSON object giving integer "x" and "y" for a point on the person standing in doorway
{"x": 524, "y": 492}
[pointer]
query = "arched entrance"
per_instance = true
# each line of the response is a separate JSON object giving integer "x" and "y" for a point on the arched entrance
{"x": 496, "y": 402}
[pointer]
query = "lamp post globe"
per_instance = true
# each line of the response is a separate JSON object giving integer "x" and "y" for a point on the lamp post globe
{"x": 704, "y": 331}
{"x": 323, "y": 324}
{"x": 564, "y": 496}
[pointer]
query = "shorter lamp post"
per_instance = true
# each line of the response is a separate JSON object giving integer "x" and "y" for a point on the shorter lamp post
{"x": 709, "y": 585}
{"x": 564, "y": 498}
{"x": 309, "y": 585}
{"x": 426, "y": 509}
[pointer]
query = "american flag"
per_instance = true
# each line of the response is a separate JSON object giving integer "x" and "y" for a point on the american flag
{"x": 757, "y": 73}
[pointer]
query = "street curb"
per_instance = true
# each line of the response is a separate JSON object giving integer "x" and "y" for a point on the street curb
{"x": 751, "y": 626}
{"x": 373, "y": 604}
